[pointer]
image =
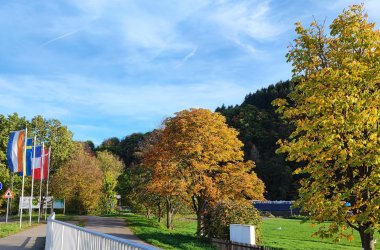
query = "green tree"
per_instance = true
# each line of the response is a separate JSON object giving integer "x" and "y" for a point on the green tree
{"x": 55, "y": 135}
{"x": 129, "y": 148}
{"x": 336, "y": 112}
{"x": 112, "y": 168}
{"x": 133, "y": 186}
{"x": 111, "y": 145}
{"x": 259, "y": 130}
{"x": 7, "y": 124}
{"x": 49, "y": 131}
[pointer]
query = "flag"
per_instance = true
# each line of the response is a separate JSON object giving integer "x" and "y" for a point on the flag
{"x": 45, "y": 162}
{"x": 33, "y": 157}
{"x": 29, "y": 155}
{"x": 37, "y": 158}
{"x": 15, "y": 151}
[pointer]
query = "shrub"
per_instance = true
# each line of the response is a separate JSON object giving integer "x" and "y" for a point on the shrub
{"x": 221, "y": 215}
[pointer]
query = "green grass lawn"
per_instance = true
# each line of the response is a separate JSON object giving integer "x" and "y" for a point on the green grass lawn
{"x": 181, "y": 237}
{"x": 294, "y": 235}
{"x": 13, "y": 227}
{"x": 277, "y": 232}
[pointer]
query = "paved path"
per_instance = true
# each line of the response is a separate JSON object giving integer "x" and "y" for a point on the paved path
{"x": 32, "y": 238}
{"x": 113, "y": 226}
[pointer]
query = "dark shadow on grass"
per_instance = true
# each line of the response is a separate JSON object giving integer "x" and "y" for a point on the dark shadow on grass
{"x": 141, "y": 224}
{"x": 175, "y": 240}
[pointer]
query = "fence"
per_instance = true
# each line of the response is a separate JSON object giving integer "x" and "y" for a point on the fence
{"x": 65, "y": 236}
{"x": 230, "y": 245}
{"x": 283, "y": 208}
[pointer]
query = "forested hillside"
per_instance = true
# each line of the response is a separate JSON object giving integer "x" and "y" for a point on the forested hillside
{"x": 259, "y": 129}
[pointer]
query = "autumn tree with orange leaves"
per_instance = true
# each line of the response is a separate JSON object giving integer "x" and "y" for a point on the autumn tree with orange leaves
{"x": 198, "y": 159}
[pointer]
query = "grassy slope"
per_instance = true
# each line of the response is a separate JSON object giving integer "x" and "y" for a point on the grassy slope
{"x": 181, "y": 237}
{"x": 294, "y": 235}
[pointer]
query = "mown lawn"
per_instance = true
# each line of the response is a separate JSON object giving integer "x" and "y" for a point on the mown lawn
{"x": 13, "y": 227}
{"x": 292, "y": 234}
{"x": 181, "y": 237}
{"x": 277, "y": 232}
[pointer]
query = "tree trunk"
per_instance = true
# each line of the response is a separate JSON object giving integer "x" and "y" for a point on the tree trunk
{"x": 147, "y": 213}
{"x": 169, "y": 219}
{"x": 159, "y": 211}
{"x": 169, "y": 214}
{"x": 200, "y": 225}
{"x": 199, "y": 206}
{"x": 368, "y": 242}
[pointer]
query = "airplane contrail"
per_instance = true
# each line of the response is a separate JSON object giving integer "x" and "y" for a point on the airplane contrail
{"x": 59, "y": 37}
{"x": 187, "y": 57}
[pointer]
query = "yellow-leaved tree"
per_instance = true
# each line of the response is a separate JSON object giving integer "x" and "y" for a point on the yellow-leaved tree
{"x": 198, "y": 158}
{"x": 112, "y": 167}
{"x": 79, "y": 182}
{"x": 336, "y": 111}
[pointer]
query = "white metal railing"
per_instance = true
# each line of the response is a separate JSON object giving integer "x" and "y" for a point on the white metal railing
{"x": 62, "y": 236}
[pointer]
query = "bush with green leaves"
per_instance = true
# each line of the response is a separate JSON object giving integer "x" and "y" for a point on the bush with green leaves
{"x": 224, "y": 213}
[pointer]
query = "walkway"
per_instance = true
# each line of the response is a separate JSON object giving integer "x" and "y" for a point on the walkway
{"x": 113, "y": 226}
{"x": 33, "y": 238}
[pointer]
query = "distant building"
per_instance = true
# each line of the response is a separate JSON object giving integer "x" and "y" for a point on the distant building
{"x": 283, "y": 208}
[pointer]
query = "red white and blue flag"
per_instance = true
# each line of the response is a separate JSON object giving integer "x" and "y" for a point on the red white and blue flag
{"x": 44, "y": 162}
{"x": 16, "y": 151}
{"x": 33, "y": 158}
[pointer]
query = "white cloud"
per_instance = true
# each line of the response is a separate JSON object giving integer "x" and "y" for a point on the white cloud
{"x": 76, "y": 96}
{"x": 247, "y": 18}
{"x": 372, "y": 7}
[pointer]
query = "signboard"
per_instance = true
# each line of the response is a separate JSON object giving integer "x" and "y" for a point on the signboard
{"x": 8, "y": 194}
{"x": 48, "y": 201}
{"x": 1, "y": 186}
{"x": 59, "y": 204}
{"x": 25, "y": 203}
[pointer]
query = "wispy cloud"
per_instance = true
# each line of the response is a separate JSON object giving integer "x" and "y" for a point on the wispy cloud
{"x": 119, "y": 66}
{"x": 59, "y": 37}
{"x": 187, "y": 57}
{"x": 241, "y": 21}
{"x": 75, "y": 96}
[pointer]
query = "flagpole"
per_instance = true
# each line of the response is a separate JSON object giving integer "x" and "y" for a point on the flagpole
{"x": 41, "y": 176}
{"x": 23, "y": 177}
{"x": 6, "y": 217}
{"x": 47, "y": 183}
{"x": 10, "y": 205}
{"x": 31, "y": 191}
{"x": 11, "y": 186}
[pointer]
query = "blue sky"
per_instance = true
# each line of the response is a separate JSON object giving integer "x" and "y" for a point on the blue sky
{"x": 111, "y": 68}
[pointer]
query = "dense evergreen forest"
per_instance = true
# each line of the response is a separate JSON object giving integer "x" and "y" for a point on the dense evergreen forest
{"x": 259, "y": 129}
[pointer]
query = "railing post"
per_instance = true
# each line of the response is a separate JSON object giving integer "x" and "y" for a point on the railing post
{"x": 77, "y": 246}
{"x": 63, "y": 231}
{"x": 86, "y": 239}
